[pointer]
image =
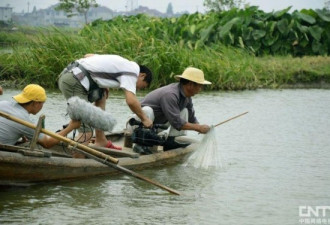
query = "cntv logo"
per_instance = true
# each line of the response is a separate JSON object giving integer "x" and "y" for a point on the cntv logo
{"x": 316, "y": 211}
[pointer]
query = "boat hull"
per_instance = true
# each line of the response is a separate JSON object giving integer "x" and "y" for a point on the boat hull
{"x": 19, "y": 169}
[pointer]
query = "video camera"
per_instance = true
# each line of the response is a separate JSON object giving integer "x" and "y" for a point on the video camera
{"x": 147, "y": 136}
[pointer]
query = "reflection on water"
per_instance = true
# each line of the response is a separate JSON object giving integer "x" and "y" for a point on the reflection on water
{"x": 277, "y": 159}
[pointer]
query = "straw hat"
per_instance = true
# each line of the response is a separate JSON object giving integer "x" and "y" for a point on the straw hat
{"x": 194, "y": 75}
{"x": 31, "y": 92}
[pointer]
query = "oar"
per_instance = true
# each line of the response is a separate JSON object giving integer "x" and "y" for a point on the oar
{"x": 96, "y": 155}
{"x": 230, "y": 119}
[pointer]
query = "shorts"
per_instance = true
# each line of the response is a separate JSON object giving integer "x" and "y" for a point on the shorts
{"x": 70, "y": 86}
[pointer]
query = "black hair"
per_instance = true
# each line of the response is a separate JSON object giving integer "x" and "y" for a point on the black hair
{"x": 147, "y": 72}
{"x": 184, "y": 81}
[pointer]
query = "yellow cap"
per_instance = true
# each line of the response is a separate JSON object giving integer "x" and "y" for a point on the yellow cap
{"x": 31, "y": 92}
{"x": 194, "y": 75}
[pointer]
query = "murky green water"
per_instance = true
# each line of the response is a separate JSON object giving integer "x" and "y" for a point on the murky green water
{"x": 277, "y": 159}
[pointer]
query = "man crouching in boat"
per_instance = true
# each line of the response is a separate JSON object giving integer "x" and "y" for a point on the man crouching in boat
{"x": 30, "y": 101}
{"x": 172, "y": 105}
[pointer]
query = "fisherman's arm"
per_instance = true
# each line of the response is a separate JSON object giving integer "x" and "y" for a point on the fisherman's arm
{"x": 201, "y": 128}
{"x": 48, "y": 142}
{"x": 134, "y": 104}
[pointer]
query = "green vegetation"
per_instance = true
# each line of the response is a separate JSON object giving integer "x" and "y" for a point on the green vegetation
{"x": 211, "y": 42}
{"x": 305, "y": 32}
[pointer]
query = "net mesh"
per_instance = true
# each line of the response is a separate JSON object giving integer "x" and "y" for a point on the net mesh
{"x": 207, "y": 154}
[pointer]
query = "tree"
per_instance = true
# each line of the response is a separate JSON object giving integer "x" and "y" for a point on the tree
{"x": 76, "y": 7}
{"x": 169, "y": 10}
{"x": 222, "y": 5}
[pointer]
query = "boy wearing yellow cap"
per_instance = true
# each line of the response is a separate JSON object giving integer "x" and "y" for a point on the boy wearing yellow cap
{"x": 29, "y": 101}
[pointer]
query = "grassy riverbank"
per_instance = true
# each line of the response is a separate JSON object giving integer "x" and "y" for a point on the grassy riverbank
{"x": 48, "y": 51}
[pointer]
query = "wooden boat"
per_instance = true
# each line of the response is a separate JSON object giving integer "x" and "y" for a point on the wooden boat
{"x": 20, "y": 166}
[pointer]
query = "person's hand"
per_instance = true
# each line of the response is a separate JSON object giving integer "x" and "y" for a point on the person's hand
{"x": 147, "y": 122}
{"x": 203, "y": 129}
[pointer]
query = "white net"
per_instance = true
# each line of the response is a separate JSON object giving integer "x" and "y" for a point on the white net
{"x": 207, "y": 154}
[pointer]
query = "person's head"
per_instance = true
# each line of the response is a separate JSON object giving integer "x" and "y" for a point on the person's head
{"x": 32, "y": 97}
{"x": 192, "y": 79}
{"x": 145, "y": 78}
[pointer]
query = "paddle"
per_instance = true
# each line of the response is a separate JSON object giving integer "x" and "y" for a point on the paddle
{"x": 96, "y": 155}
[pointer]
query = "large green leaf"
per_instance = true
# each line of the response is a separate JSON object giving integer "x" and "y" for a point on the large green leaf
{"x": 246, "y": 33}
{"x": 323, "y": 15}
{"x": 258, "y": 23}
{"x": 307, "y": 18}
{"x": 316, "y": 46}
{"x": 280, "y": 13}
{"x": 316, "y": 32}
{"x": 269, "y": 40}
{"x": 271, "y": 26}
{"x": 301, "y": 28}
{"x": 241, "y": 42}
{"x": 282, "y": 26}
{"x": 205, "y": 33}
{"x": 257, "y": 34}
{"x": 192, "y": 29}
{"x": 227, "y": 27}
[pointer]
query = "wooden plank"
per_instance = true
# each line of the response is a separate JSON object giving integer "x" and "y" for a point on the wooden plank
{"x": 121, "y": 153}
{"x": 37, "y": 132}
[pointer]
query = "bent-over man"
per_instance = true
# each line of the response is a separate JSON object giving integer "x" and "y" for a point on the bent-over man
{"x": 90, "y": 79}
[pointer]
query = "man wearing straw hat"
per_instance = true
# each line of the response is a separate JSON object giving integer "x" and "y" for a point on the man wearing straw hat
{"x": 29, "y": 101}
{"x": 172, "y": 105}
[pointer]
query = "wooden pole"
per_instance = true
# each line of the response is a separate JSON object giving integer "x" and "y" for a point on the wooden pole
{"x": 230, "y": 119}
{"x": 61, "y": 138}
{"x": 96, "y": 155}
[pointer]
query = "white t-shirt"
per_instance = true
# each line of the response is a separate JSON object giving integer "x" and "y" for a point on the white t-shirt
{"x": 111, "y": 71}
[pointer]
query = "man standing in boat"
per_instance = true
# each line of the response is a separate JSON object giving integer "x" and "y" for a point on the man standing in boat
{"x": 90, "y": 79}
{"x": 172, "y": 105}
{"x": 30, "y": 101}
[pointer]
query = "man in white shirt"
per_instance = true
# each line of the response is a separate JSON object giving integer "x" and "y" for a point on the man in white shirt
{"x": 90, "y": 79}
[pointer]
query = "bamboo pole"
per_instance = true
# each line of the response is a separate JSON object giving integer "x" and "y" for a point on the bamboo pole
{"x": 230, "y": 119}
{"x": 96, "y": 155}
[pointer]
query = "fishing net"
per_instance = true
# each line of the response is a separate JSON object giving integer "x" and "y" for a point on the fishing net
{"x": 207, "y": 154}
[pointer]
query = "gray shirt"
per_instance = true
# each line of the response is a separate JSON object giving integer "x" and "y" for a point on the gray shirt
{"x": 11, "y": 131}
{"x": 167, "y": 102}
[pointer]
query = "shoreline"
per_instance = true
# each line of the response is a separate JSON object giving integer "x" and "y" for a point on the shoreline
{"x": 321, "y": 85}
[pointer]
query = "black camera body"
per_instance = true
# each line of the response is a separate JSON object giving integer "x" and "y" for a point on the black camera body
{"x": 146, "y": 136}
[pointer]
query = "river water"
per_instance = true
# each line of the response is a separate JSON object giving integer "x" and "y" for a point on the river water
{"x": 277, "y": 159}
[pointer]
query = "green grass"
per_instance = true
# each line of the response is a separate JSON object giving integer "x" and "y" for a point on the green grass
{"x": 49, "y": 50}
